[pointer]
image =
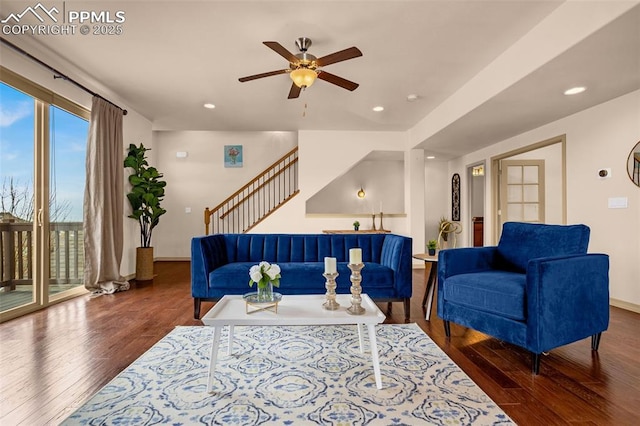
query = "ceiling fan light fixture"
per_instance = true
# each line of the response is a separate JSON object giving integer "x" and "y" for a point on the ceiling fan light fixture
{"x": 303, "y": 77}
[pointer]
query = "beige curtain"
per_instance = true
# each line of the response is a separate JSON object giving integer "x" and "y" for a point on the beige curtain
{"x": 103, "y": 200}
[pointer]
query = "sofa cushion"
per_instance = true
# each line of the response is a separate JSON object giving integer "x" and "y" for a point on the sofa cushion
{"x": 498, "y": 292}
{"x": 521, "y": 242}
{"x": 233, "y": 278}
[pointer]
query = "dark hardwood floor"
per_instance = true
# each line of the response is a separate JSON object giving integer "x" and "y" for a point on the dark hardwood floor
{"x": 53, "y": 360}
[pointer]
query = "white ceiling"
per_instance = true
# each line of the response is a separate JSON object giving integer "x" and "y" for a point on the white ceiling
{"x": 174, "y": 56}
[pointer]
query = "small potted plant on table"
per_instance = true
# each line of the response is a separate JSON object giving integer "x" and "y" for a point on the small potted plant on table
{"x": 431, "y": 247}
{"x": 356, "y": 225}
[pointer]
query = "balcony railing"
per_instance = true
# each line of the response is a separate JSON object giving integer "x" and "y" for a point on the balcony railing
{"x": 66, "y": 259}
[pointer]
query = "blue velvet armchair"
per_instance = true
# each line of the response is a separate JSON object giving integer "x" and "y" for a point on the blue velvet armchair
{"x": 537, "y": 289}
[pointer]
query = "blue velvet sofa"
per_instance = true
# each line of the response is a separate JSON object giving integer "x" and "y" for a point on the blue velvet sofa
{"x": 538, "y": 289}
{"x": 220, "y": 264}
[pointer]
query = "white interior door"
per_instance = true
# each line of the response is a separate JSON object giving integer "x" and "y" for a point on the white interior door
{"x": 522, "y": 195}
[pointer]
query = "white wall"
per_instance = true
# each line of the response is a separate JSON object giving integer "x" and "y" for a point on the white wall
{"x": 437, "y": 197}
{"x": 200, "y": 180}
{"x": 382, "y": 182}
{"x": 599, "y": 137}
{"x": 323, "y": 155}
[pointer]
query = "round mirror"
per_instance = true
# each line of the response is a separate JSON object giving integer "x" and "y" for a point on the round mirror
{"x": 633, "y": 164}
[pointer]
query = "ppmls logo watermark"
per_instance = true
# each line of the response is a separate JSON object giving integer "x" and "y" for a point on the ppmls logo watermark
{"x": 60, "y": 20}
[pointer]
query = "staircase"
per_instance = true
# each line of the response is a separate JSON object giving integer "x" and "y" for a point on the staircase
{"x": 256, "y": 200}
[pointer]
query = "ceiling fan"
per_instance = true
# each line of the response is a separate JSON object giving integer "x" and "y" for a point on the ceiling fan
{"x": 304, "y": 68}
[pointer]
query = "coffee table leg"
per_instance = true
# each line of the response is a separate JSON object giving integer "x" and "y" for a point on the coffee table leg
{"x": 374, "y": 354}
{"x": 214, "y": 357}
{"x": 230, "y": 342}
{"x": 361, "y": 337}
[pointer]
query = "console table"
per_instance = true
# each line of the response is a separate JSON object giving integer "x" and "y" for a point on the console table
{"x": 360, "y": 231}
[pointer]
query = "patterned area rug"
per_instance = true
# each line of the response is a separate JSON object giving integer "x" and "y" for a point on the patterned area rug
{"x": 292, "y": 376}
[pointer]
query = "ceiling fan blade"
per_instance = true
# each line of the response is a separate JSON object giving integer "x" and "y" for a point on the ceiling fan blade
{"x": 338, "y": 81}
{"x": 294, "y": 92}
{"x": 264, "y": 74}
{"x": 343, "y": 55}
{"x": 282, "y": 51}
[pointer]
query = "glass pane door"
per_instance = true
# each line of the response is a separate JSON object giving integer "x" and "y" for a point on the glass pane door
{"x": 67, "y": 138}
{"x": 521, "y": 195}
{"x": 17, "y": 156}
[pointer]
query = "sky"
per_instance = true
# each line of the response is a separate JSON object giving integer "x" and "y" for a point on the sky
{"x": 67, "y": 152}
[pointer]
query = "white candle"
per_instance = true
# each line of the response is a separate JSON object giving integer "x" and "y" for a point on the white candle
{"x": 355, "y": 256}
{"x": 330, "y": 265}
{"x": 380, "y": 206}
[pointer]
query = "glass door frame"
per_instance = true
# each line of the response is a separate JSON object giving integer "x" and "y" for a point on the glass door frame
{"x": 43, "y": 99}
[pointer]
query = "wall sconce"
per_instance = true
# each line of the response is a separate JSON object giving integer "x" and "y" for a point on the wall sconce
{"x": 478, "y": 171}
{"x": 361, "y": 193}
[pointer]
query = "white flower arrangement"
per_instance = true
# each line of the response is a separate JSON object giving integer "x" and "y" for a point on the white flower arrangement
{"x": 263, "y": 273}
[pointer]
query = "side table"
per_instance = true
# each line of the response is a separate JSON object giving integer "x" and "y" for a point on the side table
{"x": 430, "y": 278}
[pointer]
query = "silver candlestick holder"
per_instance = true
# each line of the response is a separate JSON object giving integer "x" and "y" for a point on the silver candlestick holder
{"x": 356, "y": 289}
{"x": 330, "y": 304}
{"x": 381, "y": 226}
{"x": 373, "y": 221}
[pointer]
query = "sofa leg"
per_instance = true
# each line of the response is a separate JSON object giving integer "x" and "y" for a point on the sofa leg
{"x": 407, "y": 309}
{"x": 535, "y": 364}
{"x": 595, "y": 341}
{"x": 196, "y": 307}
{"x": 447, "y": 329}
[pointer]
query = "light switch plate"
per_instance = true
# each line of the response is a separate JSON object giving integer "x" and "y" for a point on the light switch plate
{"x": 618, "y": 202}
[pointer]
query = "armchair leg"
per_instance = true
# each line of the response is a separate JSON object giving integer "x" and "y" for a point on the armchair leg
{"x": 535, "y": 364}
{"x": 595, "y": 341}
{"x": 447, "y": 329}
{"x": 196, "y": 308}
{"x": 407, "y": 309}
{"x": 388, "y": 309}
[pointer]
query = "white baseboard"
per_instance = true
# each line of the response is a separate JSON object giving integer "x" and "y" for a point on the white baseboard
{"x": 172, "y": 259}
{"x": 625, "y": 305}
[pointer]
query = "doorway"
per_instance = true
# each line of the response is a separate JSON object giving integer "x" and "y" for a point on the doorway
{"x": 529, "y": 184}
{"x": 477, "y": 181}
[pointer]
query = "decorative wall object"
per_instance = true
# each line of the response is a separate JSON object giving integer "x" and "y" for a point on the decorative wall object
{"x": 633, "y": 164}
{"x": 233, "y": 155}
{"x": 455, "y": 197}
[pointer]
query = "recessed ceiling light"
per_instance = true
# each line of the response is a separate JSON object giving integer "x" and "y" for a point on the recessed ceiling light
{"x": 412, "y": 97}
{"x": 431, "y": 157}
{"x": 575, "y": 90}
{"x": 209, "y": 106}
{"x": 378, "y": 108}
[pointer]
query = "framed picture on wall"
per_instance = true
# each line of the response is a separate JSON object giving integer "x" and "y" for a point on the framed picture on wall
{"x": 455, "y": 198}
{"x": 233, "y": 155}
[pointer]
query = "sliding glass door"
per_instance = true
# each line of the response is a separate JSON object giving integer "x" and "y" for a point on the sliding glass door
{"x": 42, "y": 154}
{"x": 17, "y": 210}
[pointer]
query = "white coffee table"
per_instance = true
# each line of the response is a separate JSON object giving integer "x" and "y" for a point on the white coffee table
{"x": 293, "y": 310}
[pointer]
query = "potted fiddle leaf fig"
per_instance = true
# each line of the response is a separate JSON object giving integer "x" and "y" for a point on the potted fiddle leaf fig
{"x": 147, "y": 191}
